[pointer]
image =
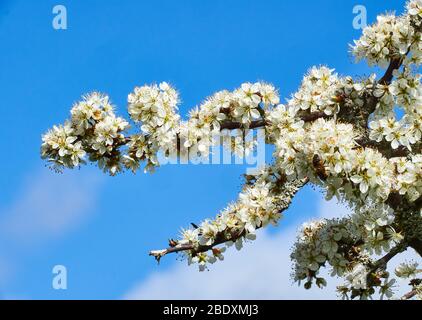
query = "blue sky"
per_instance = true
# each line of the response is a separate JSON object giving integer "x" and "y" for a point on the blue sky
{"x": 101, "y": 227}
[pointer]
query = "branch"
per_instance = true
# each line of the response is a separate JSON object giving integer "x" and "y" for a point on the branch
{"x": 395, "y": 64}
{"x": 238, "y": 125}
{"x": 416, "y": 244}
{"x": 232, "y": 125}
{"x": 289, "y": 189}
{"x": 382, "y": 262}
{"x": 262, "y": 123}
{"x": 386, "y": 79}
{"x": 415, "y": 283}
{"x": 220, "y": 239}
{"x": 409, "y": 295}
{"x": 384, "y": 147}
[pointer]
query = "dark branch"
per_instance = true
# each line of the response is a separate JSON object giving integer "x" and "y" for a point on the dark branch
{"x": 416, "y": 244}
{"x": 395, "y": 64}
{"x": 384, "y": 147}
{"x": 262, "y": 123}
{"x": 382, "y": 262}
{"x": 237, "y": 125}
{"x": 409, "y": 295}
{"x": 314, "y": 116}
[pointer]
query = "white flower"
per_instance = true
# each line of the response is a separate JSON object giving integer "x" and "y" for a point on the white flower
{"x": 362, "y": 180}
{"x": 387, "y": 288}
{"x": 249, "y": 94}
{"x": 414, "y": 7}
{"x": 269, "y": 94}
{"x": 189, "y": 236}
{"x": 208, "y": 233}
{"x": 407, "y": 270}
{"x": 357, "y": 277}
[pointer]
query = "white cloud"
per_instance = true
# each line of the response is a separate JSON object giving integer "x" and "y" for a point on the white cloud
{"x": 332, "y": 209}
{"x": 259, "y": 271}
{"x": 49, "y": 205}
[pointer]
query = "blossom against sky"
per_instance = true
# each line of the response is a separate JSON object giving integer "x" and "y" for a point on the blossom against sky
{"x": 112, "y": 47}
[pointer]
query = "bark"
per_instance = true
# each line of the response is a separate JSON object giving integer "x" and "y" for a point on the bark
{"x": 416, "y": 244}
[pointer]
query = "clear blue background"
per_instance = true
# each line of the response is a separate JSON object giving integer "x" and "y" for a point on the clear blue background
{"x": 111, "y": 46}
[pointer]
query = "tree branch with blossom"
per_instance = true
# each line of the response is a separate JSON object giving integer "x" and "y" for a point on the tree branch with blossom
{"x": 338, "y": 133}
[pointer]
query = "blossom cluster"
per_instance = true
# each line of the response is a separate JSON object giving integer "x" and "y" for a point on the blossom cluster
{"x": 328, "y": 152}
{"x": 93, "y": 129}
{"x": 96, "y": 130}
{"x": 406, "y": 92}
{"x": 391, "y": 37}
{"x": 357, "y": 284}
{"x": 414, "y": 8}
{"x": 318, "y": 92}
{"x": 243, "y": 106}
{"x": 374, "y": 224}
{"x": 359, "y": 140}
{"x": 319, "y": 243}
{"x": 155, "y": 107}
{"x": 259, "y": 205}
{"x": 346, "y": 245}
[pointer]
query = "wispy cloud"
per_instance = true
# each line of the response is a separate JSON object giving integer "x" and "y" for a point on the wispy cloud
{"x": 332, "y": 209}
{"x": 260, "y": 271}
{"x": 47, "y": 207}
